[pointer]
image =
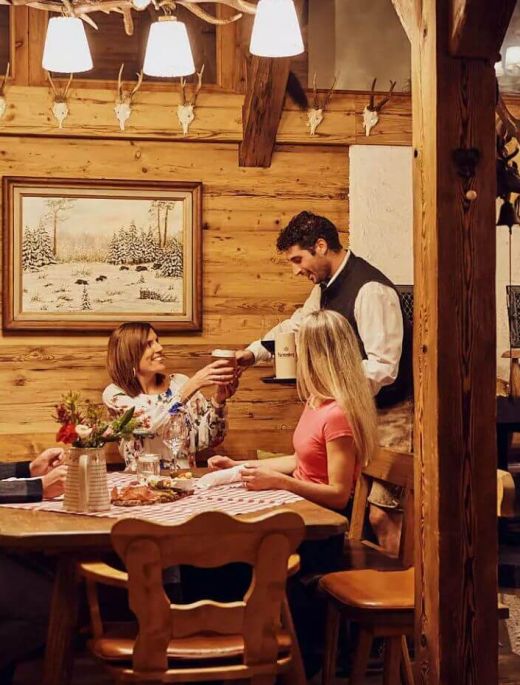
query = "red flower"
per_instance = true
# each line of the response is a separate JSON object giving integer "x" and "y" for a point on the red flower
{"x": 67, "y": 433}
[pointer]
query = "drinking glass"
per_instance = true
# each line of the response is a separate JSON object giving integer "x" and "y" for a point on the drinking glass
{"x": 148, "y": 465}
{"x": 175, "y": 436}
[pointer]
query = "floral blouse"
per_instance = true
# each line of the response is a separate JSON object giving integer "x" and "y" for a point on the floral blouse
{"x": 207, "y": 421}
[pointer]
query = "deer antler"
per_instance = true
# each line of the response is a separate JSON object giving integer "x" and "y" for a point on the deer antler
{"x": 119, "y": 83}
{"x": 52, "y": 83}
{"x": 316, "y": 101}
{"x": 4, "y": 80}
{"x": 383, "y": 102}
{"x": 371, "y": 105}
{"x": 327, "y": 97}
{"x": 138, "y": 84}
{"x": 199, "y": 86}
{"x": 183, "y": 91}
{"x": 67, "y": 86}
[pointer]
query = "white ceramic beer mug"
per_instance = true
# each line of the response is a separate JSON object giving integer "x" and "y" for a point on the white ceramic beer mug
{"x": 285, "y": 355}
{"x": 86, "y": 487}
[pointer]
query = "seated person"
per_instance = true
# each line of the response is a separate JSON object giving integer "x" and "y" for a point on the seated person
{"x": 26, "y": 579}
{"x": 136, "y": 365}
{"x": 335, "y": 435}
{"x": 336, "y": 432}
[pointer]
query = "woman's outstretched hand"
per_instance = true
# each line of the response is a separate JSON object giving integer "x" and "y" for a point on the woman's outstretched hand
{"x": 220, "y": 462}
{"x": 218, "y": 373}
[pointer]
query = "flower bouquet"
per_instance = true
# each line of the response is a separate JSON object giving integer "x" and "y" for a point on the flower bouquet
{"x": 85, "y": 424}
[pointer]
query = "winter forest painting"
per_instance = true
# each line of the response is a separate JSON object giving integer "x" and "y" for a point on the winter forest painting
{"x": 103, "y": 254}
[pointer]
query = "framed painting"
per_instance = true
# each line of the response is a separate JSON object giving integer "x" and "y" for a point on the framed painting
{"x": 89, "y": 254}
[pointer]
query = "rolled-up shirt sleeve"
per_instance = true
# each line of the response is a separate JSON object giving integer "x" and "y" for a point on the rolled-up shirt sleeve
{"x": 290, "y": 325}
{"x": 380, "y": 326}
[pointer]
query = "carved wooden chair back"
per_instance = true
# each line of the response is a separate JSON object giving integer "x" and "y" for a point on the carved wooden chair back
{"x": 393, "y": 468}
{"x": 208, "y": 540}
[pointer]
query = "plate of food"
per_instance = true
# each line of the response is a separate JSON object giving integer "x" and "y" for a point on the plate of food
{"x": 183, "y": 482}
{"x": 141, "y": 495}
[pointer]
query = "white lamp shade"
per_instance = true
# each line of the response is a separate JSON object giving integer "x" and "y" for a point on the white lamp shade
{"x": 140, "y": 4}
{"x": 513, "y": 56}
{"x": 499, "y": 69}
{"x": 276, "y": 32}
{"x": 168, "y": 51}
{"x": 66, "y": 47}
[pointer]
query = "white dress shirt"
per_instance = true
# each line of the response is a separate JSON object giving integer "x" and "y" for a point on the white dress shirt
{"x": 379, "y": 320}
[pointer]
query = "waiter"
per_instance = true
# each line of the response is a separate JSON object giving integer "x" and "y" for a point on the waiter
{"x": 351, "y": 286}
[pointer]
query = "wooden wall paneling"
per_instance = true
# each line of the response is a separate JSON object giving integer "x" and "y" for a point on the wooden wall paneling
{"x": 228, "y": 50}
{"x": 37, "y": 29}
{"x": 395, "y": 121}
{"x": 454, "y": 363}
{"x": 19, "y": 37}
{"x": 243, "y": 211}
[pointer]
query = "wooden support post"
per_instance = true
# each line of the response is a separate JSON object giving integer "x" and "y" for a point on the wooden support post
{"x": 454, "y": 349}
{"x": 263, "y": 106}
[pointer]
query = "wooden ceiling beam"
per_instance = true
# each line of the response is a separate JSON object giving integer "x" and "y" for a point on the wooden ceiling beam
{"x": 407, "y": 11}
{"x": 478, "y": 27}
{"x": 262, "y": 110}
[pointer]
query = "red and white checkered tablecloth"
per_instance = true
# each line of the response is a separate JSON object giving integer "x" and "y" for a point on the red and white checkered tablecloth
{"x": 231, "y": 499}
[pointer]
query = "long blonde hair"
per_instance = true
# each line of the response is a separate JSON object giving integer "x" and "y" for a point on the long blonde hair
{"x": 329, "y": 367}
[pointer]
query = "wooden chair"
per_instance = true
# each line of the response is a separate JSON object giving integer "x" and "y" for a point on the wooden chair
{"x": 380, "y": 600}
{"x": 395, "y": 468}
{"x": 251, "y": 639}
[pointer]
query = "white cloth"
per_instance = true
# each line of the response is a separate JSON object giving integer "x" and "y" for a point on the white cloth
{"x": 379, "y": 320}
{"x": 220, "y": 477}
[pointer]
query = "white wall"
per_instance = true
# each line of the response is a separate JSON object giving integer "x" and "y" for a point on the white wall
{"x": 357, "y": 41}
{"x": 380, "y": 199}
{"x": 381, "y": 226}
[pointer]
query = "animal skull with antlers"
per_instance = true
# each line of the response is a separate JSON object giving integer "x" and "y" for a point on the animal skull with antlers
{"x": 185, "y": 111}
{"x": 123, "y": 106}
{"x": 371, "y": 111}
{"x": 315, "y": 113}
{"x": 60, "y": 108}
{"x": 3, "y": 101}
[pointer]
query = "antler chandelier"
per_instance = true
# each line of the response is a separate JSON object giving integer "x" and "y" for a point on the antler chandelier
{"x": 276, "y": 32}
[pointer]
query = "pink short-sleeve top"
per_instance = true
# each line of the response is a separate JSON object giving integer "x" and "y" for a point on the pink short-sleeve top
{"x": 316, "y": 427}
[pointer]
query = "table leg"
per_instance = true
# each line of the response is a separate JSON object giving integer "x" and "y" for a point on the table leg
{"x": 62, "y": 623}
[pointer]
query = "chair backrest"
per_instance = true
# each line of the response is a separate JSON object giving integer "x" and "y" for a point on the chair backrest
{"x": 513, "y": 313}
{"x": 208, "y": 540}
{"x": 406, "y": 297}
{"x": 394, "y": 468}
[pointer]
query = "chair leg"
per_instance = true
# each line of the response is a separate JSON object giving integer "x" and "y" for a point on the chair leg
{"x": 359, "y": 665}
{"x": 295, "y": 675}
{"x": 331, "y": 644}
{"x": 406, "y": 664}
{"x": 391, "y": 670}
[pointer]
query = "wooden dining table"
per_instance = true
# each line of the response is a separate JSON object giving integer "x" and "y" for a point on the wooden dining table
{"x": 74, "y": 537}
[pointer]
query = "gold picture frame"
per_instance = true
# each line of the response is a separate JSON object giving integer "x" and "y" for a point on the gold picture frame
{"x": 86, "y": 255}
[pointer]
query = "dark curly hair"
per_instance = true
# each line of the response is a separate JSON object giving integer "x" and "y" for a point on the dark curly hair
{"x": 305, "y": 229}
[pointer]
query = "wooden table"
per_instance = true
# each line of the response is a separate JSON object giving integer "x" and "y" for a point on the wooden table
{"x": 72, "y": 536}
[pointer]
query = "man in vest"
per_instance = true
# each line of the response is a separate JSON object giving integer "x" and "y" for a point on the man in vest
{"x": 351, "y": 286}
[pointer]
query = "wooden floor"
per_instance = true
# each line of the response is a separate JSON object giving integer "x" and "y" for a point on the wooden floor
{"x": 88, "y": 672}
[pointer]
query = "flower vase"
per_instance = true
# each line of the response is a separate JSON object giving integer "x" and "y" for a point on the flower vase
{"x": 86, "y": 485}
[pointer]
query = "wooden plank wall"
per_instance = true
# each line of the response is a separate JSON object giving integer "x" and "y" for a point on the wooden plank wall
{"x": 247, "y": 288}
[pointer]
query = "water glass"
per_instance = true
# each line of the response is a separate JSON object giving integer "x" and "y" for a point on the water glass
{"x": 148, "y": 465}
{"x": 175, "y": 436}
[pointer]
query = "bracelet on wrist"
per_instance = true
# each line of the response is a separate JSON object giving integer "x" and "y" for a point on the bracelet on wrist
{"x": 216, "y": 404}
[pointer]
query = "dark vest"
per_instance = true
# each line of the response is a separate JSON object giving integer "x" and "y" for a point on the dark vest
{"x": 341, "y": 295}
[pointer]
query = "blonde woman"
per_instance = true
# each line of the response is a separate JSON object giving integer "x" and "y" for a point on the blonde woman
{"x": 336, "y": 432}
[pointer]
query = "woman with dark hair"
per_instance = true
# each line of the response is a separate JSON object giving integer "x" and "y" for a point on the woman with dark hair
{"x": 136, "y": 365}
